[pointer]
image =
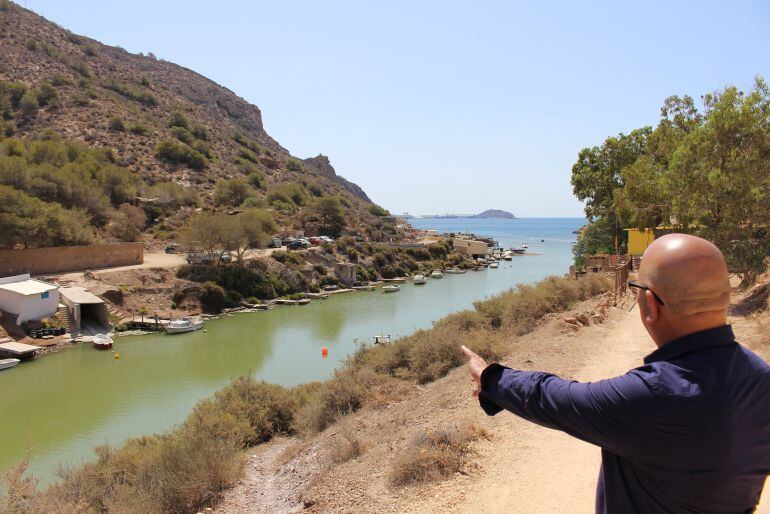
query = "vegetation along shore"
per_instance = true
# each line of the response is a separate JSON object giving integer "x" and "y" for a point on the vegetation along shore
{"x": 188, "y": 468}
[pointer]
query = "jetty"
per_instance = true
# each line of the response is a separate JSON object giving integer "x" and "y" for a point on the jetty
{"x": 18, "y": 350}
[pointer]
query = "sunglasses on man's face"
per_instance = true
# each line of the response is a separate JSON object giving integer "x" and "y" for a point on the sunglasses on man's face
{"x": 636, "y": 285}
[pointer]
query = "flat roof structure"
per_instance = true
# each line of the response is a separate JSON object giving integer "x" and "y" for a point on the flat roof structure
{"x": 79, "y": 295}
{"x": 29, "y": 287}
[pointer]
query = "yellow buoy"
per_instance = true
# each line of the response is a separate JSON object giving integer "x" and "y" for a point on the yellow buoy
{"x": 117, "y": 355}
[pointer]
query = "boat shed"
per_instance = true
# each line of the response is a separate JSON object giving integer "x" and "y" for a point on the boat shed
{"x": 27, "y": 298}
{"x": 87, "y": 311}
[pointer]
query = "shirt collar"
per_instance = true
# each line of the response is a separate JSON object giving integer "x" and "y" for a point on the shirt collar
{"x": 719, "y": 336}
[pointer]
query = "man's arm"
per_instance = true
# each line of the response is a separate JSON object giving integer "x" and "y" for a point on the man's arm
{"x": 615, "y": 414}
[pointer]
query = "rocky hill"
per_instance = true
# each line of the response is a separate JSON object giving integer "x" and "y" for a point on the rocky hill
{"x": 163, "y": 122}
{"x": 495, "y": 213}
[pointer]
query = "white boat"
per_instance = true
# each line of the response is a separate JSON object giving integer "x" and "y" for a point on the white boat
{"x": 8, "y": 363}
{"x": 102, "y": 342}
{"x": 436, "y": 274}
{"x": 381, "y": 339}
{"x": 185, "y": 324}
{"x": 525, "y": 246}
{"x": 419, "y": 280}
{"x": 508, "y": 255}
{"x": 391, "y": 289}
{"x": 454, "y": 271}
{"x": 494, "y": 264}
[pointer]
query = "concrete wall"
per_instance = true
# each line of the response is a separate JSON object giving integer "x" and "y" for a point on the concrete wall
{"x": 62, "y": 259}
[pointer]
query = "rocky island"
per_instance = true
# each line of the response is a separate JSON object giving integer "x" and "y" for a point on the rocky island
{"x": 495, "y": 213}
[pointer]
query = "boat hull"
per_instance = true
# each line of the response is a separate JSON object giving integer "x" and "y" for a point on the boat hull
{"x": 8, "y": 363}
{"x": 197, "y": 325}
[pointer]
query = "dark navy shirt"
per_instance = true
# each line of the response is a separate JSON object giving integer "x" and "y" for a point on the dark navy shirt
{"x": 687, "y": 432}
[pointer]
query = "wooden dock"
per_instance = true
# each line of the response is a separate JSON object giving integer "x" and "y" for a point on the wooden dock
{"x": 18, "y": 350}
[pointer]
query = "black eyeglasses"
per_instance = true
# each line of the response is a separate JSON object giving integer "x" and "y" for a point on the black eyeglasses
{"x": 636, "y": 285}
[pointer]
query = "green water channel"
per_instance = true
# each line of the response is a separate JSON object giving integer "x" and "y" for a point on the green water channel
{"x": 61, "y": 405}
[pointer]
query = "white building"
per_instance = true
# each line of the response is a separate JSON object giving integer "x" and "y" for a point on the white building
{"x": 27, "y": 298}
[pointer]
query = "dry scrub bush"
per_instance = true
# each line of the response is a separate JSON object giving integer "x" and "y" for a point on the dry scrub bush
{"x": 519, "y": 309}
{"x": 435, "y": 454}
{"x": 342, "y": 394}
{"x": 347, "y": 445}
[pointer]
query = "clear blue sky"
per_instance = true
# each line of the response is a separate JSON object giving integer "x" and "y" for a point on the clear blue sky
{"x": 446, "y": 106}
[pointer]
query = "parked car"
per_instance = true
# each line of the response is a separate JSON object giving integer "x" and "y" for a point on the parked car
{"x": 298, "y": 244}
{"x": 174, "y": 248}
{"x": 225, "y": 256}
{"x": 275, "y": 242}
{"x": 287, "y": 240}
{"x": 326, "y": 239}
{"x": 315, "y": 241}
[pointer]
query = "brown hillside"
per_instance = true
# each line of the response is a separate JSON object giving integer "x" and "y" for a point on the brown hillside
{"x": 97, "y": 83}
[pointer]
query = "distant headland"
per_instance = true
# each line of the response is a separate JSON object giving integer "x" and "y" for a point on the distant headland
{"x": 488, "y": 214}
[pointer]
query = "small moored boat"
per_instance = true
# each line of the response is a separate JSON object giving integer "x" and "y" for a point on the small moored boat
{"x": 303, "y": 301}
{"x": 419, "y": 280}
{"x": 391, "y": 289}
{"x": 185, "y": 324}
{"x": 436, "y": 274}
{"x": 494, "y": 265}
{"x": 454, "y": 271}
{"x": 381, "y": 339}
{"x": 519, "y": 251}
{"x": 102, "y": 342}
{"x": 8, "y": 363}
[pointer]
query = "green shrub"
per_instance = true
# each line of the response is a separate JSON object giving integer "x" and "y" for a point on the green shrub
{"x": 288, "y": 258}
{"x": 257, "y": 179}
{"x": 177, "y": 152}
{"x": 232, "y": 192}
{"x": 293, "y": 165}
{"x": 140, "y": 95}
{"x": 178, "y": 119}
{"x": 139, "y": 129}
{"x": 248, "y": 143}
{"x": 378, "y": 211}
{"x": 47, "y": 96}
{"x": 341, "y": 395}
{"x": 213, "y": 297}
{"x": 28, "y": 105}
{"x": 200, "y": 132}
{"x": 247, "y": 154}
{"x": 116, "y": 124}
{"x": 60, "y": 79}
{"x": 183, "y": 135}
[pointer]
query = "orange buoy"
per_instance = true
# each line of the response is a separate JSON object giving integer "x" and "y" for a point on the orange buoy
{"x": 325, "y": 352}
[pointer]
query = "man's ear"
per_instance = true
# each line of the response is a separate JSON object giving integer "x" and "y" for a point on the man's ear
{"x": 653, "y": 307}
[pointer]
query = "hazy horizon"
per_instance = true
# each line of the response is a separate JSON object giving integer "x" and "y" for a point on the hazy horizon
{"x": 444, "y": 107}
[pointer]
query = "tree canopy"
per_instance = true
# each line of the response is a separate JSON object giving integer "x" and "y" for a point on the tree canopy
{"x": 702, "y": 171}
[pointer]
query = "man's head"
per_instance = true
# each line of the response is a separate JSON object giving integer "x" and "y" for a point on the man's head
{"x": 689, "y": 276}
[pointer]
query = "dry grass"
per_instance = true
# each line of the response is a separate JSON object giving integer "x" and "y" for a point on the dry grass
{"x": 435, "y": 455}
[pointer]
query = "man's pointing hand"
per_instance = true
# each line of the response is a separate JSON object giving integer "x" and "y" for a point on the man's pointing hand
{"x": 475, "y": 365}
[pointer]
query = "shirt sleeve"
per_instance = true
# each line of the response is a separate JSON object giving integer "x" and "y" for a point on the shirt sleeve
{"x": 615, "y": 414}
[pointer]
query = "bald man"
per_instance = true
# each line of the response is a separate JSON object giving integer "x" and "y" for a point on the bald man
{"x": 689, "y": 431}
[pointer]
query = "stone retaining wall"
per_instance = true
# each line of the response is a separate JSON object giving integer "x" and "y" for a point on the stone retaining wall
{"x": 62, "y": 259}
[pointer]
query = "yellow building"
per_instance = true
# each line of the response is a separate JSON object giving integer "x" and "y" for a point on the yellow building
{"x": 639, "y": 240}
